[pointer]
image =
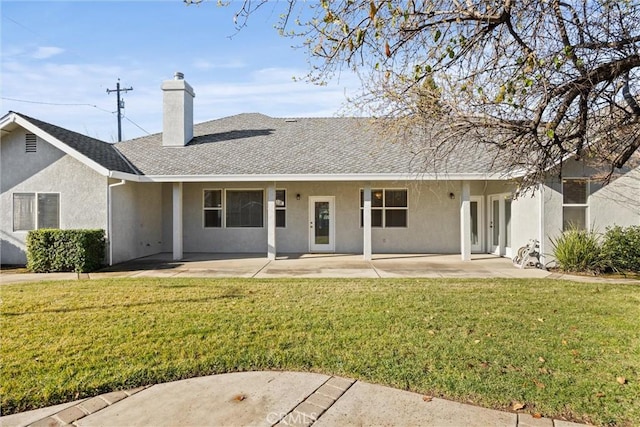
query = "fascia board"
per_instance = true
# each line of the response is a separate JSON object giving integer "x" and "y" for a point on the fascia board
{"x": 124, "y": 175}
{"x": 60, "y": 145}
{"x": 323, "y": 177}
{"x": 7, "y": 119}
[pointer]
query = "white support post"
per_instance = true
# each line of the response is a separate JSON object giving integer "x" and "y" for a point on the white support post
{"x": 465, "y": 222}
{"x": 541, "y": 230}
{"x": 366, "y": 224}
{"x": 177, "y": 221}
{"x": 271, "y": 222}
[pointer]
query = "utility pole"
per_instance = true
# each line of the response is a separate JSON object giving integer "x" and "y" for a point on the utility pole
{"x": 120, "y": 105}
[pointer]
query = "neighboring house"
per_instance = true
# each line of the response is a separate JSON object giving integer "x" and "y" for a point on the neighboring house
{"x": 255, "y": 184}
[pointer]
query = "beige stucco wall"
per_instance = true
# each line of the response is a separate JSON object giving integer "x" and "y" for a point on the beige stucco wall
{"x": 83, "y": 192}
{"x": 137, "y": 220}
{"x": 433, "y": 219}
{"x": 617, "y": 203}
{"x": 525, "y": 212}
{"x": 525, "y": 219}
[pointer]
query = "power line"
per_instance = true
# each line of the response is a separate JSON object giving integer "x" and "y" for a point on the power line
{"x": 137, "y": 125}
{"x": 42, "y": 37}
{"x": 55, "y": 103}
{"x": 75, "y": 105}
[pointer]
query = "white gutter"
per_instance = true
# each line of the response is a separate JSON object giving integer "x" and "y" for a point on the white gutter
{"x": 110, "y": 218}
{"x": 124, "y": 175}
{"x": 321, "y": 177}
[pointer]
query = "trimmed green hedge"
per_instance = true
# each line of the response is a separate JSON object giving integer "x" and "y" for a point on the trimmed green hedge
{"x": 621, "y": 248}
{"x": 50, "y": 250}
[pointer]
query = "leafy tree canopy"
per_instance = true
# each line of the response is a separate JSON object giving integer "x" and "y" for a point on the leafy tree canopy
{"x": 543, "y": 80}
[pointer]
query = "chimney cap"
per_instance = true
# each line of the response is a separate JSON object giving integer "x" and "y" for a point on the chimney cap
{"x": 178, "y": 76}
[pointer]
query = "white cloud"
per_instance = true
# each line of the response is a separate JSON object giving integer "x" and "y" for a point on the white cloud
{"x": 45, "y": 52}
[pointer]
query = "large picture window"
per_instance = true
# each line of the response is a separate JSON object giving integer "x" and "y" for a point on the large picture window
{"x": 388, "y": 208}
{"x": 36, "y": 210}
{"x": 244, "y": 208}
{"x": 574, "y": 203}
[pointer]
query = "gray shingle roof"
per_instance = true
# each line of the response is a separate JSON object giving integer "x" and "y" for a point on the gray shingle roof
{"x": 255, "y": 144}
{"x": 101, "y": 152}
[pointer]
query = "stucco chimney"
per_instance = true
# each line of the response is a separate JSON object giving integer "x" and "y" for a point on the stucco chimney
{"x": 177, "y": 112}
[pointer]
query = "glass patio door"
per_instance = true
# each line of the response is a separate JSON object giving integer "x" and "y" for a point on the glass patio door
{"x": 321, "y": 224}
{"x": 500, "y": 224}
{"x": 477, "y": 224}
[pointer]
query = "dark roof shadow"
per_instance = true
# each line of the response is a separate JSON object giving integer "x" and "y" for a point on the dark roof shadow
{"x": 230, "y": 135}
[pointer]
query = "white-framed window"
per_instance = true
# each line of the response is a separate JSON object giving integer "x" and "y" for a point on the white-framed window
{"x": 244, "y": 208}
{"x": 36, "y": 210}
{"x": 575, "y": 201}
{"x": 281, "y": 208}
{"x": 212, "y": 206}
{"x": 389, "y": 207}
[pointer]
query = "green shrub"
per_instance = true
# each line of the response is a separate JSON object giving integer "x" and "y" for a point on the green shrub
{"x": 578, "y": 250}
{"x": 621, "y": 248}
{"x": 51, "y": 250}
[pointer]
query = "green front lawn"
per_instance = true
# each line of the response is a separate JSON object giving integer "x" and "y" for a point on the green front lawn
{"x": 564, "y": 349}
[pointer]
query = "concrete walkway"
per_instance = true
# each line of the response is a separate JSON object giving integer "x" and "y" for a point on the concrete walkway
{"x": 271, "y": 399}
{"x": 310, "y": 266}
{"x": 305, "y": 265}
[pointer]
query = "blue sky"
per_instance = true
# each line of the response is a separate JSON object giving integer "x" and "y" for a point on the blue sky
{"x": 71, "y": 52}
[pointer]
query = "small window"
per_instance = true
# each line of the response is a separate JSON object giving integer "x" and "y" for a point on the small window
{"x": 281, "y": 208}
{"x": 575, "y": 193}
{"x": 30, "y": 143}
{"x": 388, "y": 208}
{"x": 244, "y": 208}
{"x": 36, "y": 210}
{"x": 24, "y": 211}
{"x": 48, "y": 210}
{"x": 212, "y": 208}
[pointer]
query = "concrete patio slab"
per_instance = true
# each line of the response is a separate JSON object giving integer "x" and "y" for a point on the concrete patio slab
{"x": 439, "y": 266}
{"x": 319, "y": 266}
{"x": 311, "y": 266}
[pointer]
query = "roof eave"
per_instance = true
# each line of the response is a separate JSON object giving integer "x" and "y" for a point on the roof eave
{"x": 326, "y": 177}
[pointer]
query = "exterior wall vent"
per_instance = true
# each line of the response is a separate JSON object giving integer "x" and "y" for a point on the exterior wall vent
{"x": 30, "y": 143}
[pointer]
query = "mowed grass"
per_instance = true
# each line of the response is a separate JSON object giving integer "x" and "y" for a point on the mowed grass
{"x": 560, "y": 348}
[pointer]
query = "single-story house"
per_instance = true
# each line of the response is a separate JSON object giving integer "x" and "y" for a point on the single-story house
{"x": 250, "y": 183}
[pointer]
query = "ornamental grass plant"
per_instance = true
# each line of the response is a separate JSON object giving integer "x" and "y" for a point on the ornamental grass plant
{"x": 578, "y": 250}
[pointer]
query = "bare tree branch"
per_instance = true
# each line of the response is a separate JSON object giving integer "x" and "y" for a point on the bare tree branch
{"x": 538, "y": 80}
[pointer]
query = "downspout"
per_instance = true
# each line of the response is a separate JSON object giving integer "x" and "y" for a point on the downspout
{"x": 110, "y": 218}
{"x": 541, "y": 234}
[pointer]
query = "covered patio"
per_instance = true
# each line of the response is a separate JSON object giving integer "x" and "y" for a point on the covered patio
{"x": 320, "y": 265}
